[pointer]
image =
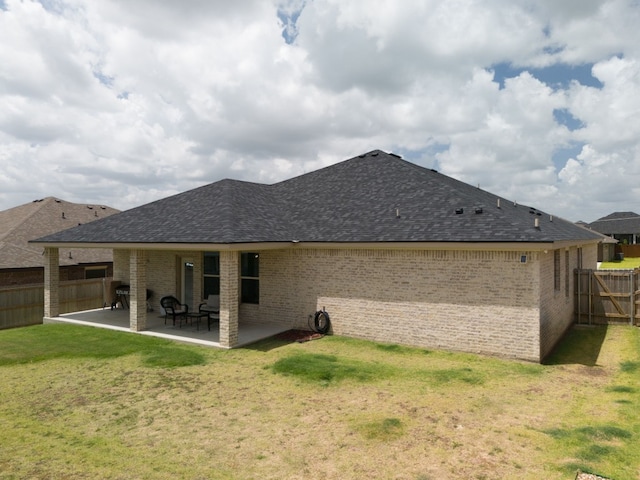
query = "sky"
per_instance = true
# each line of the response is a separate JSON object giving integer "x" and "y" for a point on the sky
{"x": 123, "y": 102}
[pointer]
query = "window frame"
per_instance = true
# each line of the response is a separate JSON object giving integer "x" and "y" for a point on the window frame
{"x": 250, "y": 275}
{"x": 215, "y": 276}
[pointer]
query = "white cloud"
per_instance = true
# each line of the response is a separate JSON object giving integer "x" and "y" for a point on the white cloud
{"x": 121, "y": 102}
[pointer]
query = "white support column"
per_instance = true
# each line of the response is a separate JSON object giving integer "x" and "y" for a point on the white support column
{"x": 51, "y": 282}
{"x": 138, "y": 290}
{"x": 229, "y": 297}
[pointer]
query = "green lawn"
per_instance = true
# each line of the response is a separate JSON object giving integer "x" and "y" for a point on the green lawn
{"x": 627, "y": 264}
{"x": 85, "y": 403}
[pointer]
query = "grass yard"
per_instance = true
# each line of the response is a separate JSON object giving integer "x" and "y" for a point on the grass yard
{"x": 85, "y": 403}
{"x": 625, "y": 264}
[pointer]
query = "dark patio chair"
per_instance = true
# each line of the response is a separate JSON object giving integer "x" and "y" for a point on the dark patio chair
{"x": 212, "y": 308}
{"x": 175, "y": 309}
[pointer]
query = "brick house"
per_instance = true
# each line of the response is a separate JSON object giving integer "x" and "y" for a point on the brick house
{"x": 623, "y": 226}
{"x": 22, "y": 263}
{"x": 394, "y": 252}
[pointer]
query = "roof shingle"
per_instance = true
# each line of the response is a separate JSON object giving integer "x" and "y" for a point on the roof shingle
{"x": 375, "y": 197}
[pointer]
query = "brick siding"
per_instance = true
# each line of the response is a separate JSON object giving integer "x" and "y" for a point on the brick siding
{"x": 474, "y": 301}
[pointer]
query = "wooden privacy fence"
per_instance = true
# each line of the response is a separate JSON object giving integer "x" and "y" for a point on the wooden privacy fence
{"x": 607, "y": 296}
{"x": 24, "y": 305}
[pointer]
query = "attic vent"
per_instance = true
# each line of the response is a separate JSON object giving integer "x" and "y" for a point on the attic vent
{"x": 374, "y": 154}
{"x": 90, "y": 207}
{"x": 395, "y": 155}
{"x": 362, "y": 156}
{"x": 478, "y": 210}
{"x": 103, "y": 207}
{"x": 57, "y": 200}
{"x": 434, "y": 170}
{"x": 459, "y": 211}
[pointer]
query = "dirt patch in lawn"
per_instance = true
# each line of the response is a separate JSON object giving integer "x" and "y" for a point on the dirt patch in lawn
{"x": 299, "y": 336}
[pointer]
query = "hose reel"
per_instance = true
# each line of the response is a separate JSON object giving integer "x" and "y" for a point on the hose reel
{"x": 321, "y": 322}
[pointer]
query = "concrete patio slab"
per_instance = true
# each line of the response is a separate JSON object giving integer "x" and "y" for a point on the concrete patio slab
{"x": 118, "y": 319}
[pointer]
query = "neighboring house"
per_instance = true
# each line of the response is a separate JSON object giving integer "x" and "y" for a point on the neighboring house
{"x": 22, "y": 262}
{"x": 606, "y": 247}
{"x": 623, "y": 226}
{"x": 394, "y": 252}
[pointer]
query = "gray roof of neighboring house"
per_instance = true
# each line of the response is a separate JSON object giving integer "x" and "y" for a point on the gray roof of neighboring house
{"x": 44, "y": 216}
{"x": 374, "y": 197}
{"x": 617, "y": 223}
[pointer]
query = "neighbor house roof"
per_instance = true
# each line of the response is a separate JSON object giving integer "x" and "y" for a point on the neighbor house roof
{"x": 42, "y": 217}
{"x": 617, "y": 223}
{"x": 374, "y": 197}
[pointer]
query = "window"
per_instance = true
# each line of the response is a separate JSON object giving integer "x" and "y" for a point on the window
{"x": 211, "y": 273}
{"x": 566, "y": 273}
{"x": 249, "y": 278}
{"x": 579, "y": 257}
{"x": 556, "y": 270}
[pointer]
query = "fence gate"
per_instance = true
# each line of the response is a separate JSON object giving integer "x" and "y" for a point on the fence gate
{"x": 607, "y": 296}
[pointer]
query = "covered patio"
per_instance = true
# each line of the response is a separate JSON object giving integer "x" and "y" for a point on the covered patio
{"x": 118, "y": 319}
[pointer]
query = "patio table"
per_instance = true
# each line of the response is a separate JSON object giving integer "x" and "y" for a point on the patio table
{"x": 195, "y": 316}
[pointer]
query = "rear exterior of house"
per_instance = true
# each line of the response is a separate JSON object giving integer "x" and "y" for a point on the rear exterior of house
{"x": 394, "y": 253}
{"x": 508, "y": 303}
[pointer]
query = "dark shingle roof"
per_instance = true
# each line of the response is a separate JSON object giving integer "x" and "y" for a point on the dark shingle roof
{"x": 617, "y": 223}
{"x": 375, "y": 197}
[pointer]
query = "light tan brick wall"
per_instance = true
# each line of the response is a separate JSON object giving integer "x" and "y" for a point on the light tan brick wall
{"x": 51, "y": 282}
{"x": 483, "y": 302}
{"x": 138, "y": 283}
{"x": 121, "y": 265}
{"x": 229, "y": 298}
{"x": 163, "y": 270}
{"x": 557, "y": 308}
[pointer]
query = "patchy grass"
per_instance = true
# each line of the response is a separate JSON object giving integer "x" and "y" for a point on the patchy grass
{"x": 80, "y": 402}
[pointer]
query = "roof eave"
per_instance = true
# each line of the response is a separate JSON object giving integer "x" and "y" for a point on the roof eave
{"x": 245, "y": 246}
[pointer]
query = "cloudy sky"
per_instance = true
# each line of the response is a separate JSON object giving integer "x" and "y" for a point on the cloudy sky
{"x": 121, "y": 102}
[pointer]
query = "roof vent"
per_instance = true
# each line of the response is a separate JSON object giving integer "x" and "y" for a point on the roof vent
{"x": 536, "y": 223}
{"x": 90, "y": 207}
{"x": 63, "y": 215}
{"x": 459, "y": 211}
{"x": 478, "y": 210}
{"x": 434, "y": 170}
{"x": 498, "y": 203}
{"x": 374, "y": 154}
{"x": 395, "y": 155}
{"x": 362, "y": 155}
